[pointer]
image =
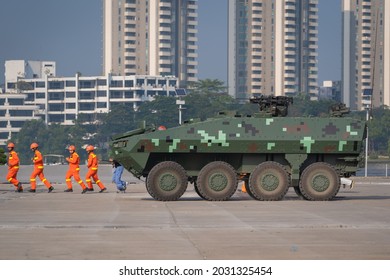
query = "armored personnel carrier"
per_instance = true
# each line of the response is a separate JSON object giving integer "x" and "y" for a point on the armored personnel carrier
{"x": 269, "y": 151}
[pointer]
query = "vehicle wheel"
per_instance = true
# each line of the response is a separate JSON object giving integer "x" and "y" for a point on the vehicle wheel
{"x": 248, "y": 190}
{"x": 319, "y": 181}
{"x": 269, "y": 181}
{"x": 167, "y": 181}
{"x": 197, "y": 190}
{"x": 298, "y": 192}
{"x": 217, "y": 181}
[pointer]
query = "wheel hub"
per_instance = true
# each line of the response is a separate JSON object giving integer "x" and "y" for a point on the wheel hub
{"x": 269, "y": 182}
{"x": 218, "y": 182}
{"x": 168, "y": 182}
{"x": 320, "y": 183}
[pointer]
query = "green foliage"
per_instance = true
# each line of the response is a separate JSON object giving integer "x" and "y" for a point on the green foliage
{"x": 32, "y": 131}
{"x": 303, "y": 106}
{"x": 207, "y": 86}
{"x": 3, "y": 157}
{"x": 207, "y": 105}
{"x": 162, "y": 111}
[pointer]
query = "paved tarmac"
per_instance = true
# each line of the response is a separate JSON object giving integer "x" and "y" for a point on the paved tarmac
{"x": 131, "y": 225}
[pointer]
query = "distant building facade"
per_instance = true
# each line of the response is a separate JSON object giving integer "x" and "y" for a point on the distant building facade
{"x": 272, "y": 47}
{"x": 13, "y": 114}
{"x": 152, "y": 37}
{"x": 366, "y": 53}
{"x": 62, "y": 99}
{"x": 27, "y": 69}
{"x": 330, "y": 90}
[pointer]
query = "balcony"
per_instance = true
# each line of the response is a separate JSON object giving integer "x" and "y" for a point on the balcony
{"x": 164, "y": 28}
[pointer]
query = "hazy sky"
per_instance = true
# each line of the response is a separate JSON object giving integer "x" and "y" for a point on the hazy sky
{"x": 70, "y": 33}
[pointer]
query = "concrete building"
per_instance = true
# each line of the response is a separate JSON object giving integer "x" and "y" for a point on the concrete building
{"x": 152, "y": 37}
{"x": 330, "y": 90}
{"x": 272, "y": 47}
{"x": 27, "y": 69}
{"x": 13, "y": 114}
{"x": 62, "y": 99}
{"x": 366, "y": 53}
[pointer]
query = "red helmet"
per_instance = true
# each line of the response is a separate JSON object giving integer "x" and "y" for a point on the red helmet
{"x": 11, "y": 145}
{"x": 90, "y": 148}
{"x": 161, "y": 127}
{"x": 72, "y": 148}
{"x": 34, "y": 145}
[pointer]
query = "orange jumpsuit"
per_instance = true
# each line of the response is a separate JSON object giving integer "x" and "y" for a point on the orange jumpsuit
{"x": 92, "y": 171}
{"x": 13, "y": 168}
{"x": 38, "y": 171}
{"x": 74, "y": 168}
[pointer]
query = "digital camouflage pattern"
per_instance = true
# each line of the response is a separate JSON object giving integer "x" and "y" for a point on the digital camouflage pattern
{"x": 268, "y": 152}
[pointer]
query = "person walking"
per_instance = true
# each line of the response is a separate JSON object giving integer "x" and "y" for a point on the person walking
{"x": 13, "y": 167}
{"x": 74, "y": 169}
{"x": 38, "y": 170}
{"x": 117, "y": 176}
{"x": 92, "y": 170}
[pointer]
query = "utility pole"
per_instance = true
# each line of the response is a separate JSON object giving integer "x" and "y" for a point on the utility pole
{"x": 180, "y": 103}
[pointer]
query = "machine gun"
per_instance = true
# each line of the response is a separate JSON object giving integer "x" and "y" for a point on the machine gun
{"x": 338, "y": 110}
{"x": 275, "y": 106}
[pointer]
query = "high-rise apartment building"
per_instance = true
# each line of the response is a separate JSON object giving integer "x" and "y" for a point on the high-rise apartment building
{"x": 366, "y": 53}
{"x": 272, "y": 47}
{"x": 151, "y": 37}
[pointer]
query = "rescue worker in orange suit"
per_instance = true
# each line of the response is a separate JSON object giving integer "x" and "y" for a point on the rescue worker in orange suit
{"x": 92, "y": 170}
{"x": 13, "y": 167}
{"x": 74, "y": 168}
{"x": 38, "y": 170}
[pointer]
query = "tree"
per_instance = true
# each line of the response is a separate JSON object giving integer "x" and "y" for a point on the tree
{"x": 161, "y": 111}
{"x": 31, "y": 131}
{"x": 202, "y": 106}
{"x": 3, "y": 157}
{"x": 207, "y": 86}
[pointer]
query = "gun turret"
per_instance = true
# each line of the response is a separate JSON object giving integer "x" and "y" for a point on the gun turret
{"x": 338, "y": 110}
{"x": 275, "y": 106}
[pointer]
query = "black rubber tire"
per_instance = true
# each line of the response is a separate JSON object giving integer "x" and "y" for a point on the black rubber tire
{"x": 248, "y": 190}
{"x": 167, "y": 181}
{"x": 197, "y": 190}
{"x": 217, "y": 181}
{"x": 319, "y": 181}
{"x": 298, "y": 192}
{"x": 269, "y": 181}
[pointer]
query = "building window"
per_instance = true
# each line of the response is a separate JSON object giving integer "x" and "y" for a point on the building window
{"x": 129, "y": 83}
{"x": 40, "y": 84}
{"x": 86, "y": 84}
{"x": 70, "y": 94}
{"x": 15, "y": 101}
{"x": 70, "y": 106}
{"x": 116, "y": 83}
{"x": 129, "y": 94}
{"x": 20, "y": 113}
{"x": 56, "y": 85}
{"x": 57, "y": 118}
{"x": 102, "y": 82}
{"x": 56, "y": 96}
{"x": 70, "y": 117}
{"x": 87, "y": 106}
{"x": 70, "y": 83}
{"x": 11, "y": 85}
{"x": 86, "y": 95}
{"x": 40, "y": 95}
{"x": 101, "y": 105}
{"x": 30, "y": 97}
{"x": 116, "y": 94}
{"x": 56, "y": 107}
